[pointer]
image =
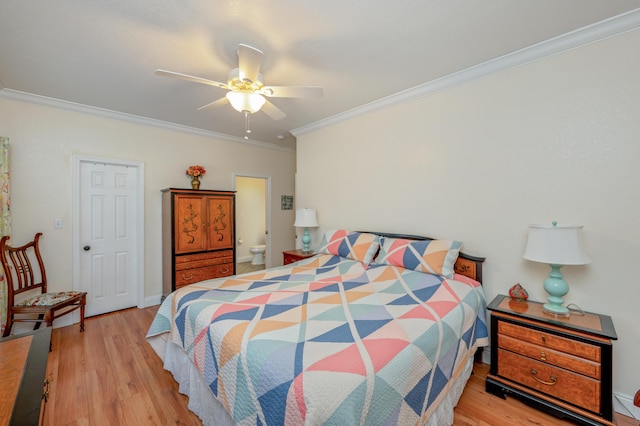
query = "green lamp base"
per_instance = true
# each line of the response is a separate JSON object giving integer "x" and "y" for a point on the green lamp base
{"x": 557, "y": 287}
{"x": 306, "y": 240}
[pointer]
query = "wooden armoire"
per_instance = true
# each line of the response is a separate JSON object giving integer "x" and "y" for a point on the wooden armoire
{"x": 198, "y": 236}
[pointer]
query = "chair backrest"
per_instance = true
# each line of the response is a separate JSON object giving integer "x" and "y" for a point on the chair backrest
{"x": 23, "y": 267}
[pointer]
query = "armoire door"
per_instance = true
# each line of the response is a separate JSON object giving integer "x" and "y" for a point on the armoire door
{"x": 220, "y": 222}
{"x": 190, "y": 223}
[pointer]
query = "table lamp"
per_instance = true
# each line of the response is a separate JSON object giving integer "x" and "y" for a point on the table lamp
{"x": 557, "y": 245}
{"x": 306, "y": 218}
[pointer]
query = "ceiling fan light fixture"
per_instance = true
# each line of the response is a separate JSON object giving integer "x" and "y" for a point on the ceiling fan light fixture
{"x": 246, "y": 101}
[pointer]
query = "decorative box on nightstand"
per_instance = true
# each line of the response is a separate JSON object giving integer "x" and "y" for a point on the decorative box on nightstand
{"x": 562, "y": 365}
{"x": 290, "y": 256}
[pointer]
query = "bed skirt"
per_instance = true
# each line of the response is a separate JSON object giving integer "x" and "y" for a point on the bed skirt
{"x": 212, "y": 412}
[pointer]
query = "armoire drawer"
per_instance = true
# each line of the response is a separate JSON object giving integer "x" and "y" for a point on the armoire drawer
{"x": 187, "y": 258}
{"x": 202, "y": 260}
{"x": 191, "y": 276}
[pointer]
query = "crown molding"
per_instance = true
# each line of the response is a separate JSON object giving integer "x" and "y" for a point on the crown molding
{"x": 16, "y": 95}
{"x": 607, "y": 28}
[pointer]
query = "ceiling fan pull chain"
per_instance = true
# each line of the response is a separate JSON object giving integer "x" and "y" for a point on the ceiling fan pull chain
{"x": 246, "y": 124}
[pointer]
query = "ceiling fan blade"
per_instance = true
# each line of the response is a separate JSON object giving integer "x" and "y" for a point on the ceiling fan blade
{"x": 215, "y": 104}
{"x": 186, "y": 77}
{"x": 292, "y": 91}
{"x": 249, "y": 61}
{"x": 273, "y": 111}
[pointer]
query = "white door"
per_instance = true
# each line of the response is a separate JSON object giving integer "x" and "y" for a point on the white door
{"x": 107, "y": 236}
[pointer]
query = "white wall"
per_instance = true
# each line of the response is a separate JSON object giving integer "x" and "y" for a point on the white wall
{"x": 43, "y": 142}
{"x": 558, "y": 139}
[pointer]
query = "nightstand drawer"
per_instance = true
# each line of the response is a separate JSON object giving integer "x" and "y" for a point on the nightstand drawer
{"x": 562, "y": 384}
{"x": 548, "y": 340}
{"x": 550, "y": 356}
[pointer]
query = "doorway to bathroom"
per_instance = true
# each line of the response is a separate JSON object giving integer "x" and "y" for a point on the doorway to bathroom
{"x": 253, "y": 222}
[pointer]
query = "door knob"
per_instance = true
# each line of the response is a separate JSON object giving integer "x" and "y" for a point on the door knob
{"x": 86, "y": 248}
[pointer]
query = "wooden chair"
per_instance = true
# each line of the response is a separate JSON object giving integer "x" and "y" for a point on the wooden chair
{"x": 26, "y": 283}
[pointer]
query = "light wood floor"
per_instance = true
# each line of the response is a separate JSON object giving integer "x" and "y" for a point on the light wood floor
{"x": 244, "y": 267}
{"x": 109, "y": 375}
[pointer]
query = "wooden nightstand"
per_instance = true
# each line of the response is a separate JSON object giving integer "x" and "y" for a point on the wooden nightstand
{"x": 290, "y": 256}
{"x": 562, "y": 365}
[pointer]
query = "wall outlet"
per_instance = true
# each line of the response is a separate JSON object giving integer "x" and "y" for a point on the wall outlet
{"x": 57, "y": 223}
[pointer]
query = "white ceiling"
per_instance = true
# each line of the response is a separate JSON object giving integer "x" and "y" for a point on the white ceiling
{"x": 103, "y": 53}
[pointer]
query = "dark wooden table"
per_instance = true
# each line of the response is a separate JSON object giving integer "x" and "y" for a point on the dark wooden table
{"x": 22, "y": 377}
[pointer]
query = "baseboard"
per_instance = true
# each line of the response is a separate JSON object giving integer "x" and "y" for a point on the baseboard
{"x": 486, "y": 355}
{"x": 151, "y": 301}
{"x": 623, "y": 404}
{"x": 244, "y": 259}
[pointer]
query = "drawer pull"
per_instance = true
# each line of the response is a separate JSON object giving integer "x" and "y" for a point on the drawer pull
{"x": 543, "y": 356}
{"x": 551, "y": 383}
{"x": 224, "y": 270}
{"x": 190, "y": 277}
{"x": 544, "y": 339}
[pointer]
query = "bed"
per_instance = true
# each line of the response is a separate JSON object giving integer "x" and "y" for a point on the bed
{"x": 374, "y": 329}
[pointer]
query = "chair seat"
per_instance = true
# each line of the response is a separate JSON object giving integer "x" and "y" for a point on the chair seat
{"x": 49, "y": 299}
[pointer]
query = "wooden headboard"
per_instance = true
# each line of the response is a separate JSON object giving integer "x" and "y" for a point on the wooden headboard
{"x": 467, "y": 265}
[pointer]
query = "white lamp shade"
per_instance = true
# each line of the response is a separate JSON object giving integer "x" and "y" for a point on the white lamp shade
{"x": 306, "y": 218}
{"x": 556, "y": 245}
{"x": 246, "y": 101}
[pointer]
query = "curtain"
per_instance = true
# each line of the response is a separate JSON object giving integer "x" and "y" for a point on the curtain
{"x": 5, "y": 220}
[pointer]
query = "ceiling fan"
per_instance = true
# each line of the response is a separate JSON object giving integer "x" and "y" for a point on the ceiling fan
{"x": 247, "y": 92}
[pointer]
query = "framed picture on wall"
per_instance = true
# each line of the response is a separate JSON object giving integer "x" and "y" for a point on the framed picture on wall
{"x": 286, "y": 202}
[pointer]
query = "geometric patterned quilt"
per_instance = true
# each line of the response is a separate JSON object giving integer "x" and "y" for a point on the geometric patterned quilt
{"x": 327, "y": 340}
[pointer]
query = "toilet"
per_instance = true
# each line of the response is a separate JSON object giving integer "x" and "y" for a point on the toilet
{"x": 258, "y": 254}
